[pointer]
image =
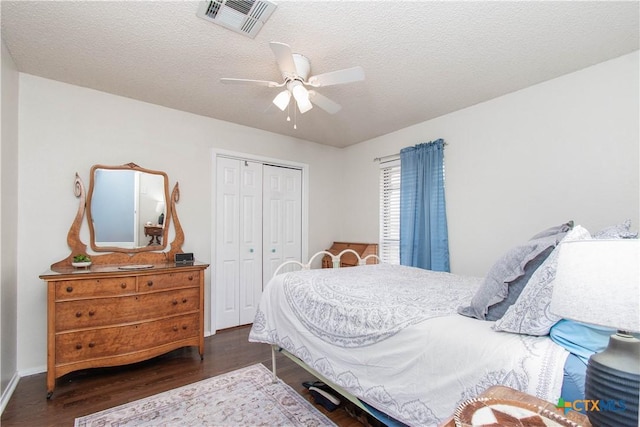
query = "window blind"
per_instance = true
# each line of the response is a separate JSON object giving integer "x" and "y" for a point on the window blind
{"x": 389, "y": 245}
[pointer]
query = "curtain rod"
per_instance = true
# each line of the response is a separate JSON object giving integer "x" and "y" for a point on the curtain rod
{"x": 387, "y": 158}
{"x": 395, "y": 156}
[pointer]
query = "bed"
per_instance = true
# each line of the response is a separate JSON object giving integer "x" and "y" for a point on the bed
{"x": 395, "y": 339}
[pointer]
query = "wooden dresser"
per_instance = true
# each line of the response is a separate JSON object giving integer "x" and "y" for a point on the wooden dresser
{"x": 349, "y": 259}
{"x": 108, "y": 316}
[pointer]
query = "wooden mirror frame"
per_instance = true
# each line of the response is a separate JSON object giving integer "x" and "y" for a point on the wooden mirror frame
{"x": 123, "y": 256}
{"x": 90, "y": 219}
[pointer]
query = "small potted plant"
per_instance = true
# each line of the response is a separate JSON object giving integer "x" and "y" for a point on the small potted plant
{"x": 81, "y": 260}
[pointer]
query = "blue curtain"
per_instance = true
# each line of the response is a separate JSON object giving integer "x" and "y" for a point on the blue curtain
{"x": 424, "y": 240}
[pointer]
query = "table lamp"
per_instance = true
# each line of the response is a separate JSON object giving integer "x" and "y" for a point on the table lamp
{"x": 598, "y": 282}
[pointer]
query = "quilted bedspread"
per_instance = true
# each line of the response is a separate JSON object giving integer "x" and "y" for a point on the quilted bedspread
{"x": 390, "y": 335}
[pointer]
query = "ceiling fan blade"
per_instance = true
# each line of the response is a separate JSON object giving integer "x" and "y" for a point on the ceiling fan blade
{"x": 252, "y": 82}
{"x": 323, "y": 102}
{"x": 284, "y": 58}
{"x": 271, "y": 109}
{"x": 347, "y": 75}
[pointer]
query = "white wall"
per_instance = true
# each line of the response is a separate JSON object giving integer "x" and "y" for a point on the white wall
{"x": 564, "y": 149}
{"x": 8, "y": 219}
{"x": 66, "y": 129}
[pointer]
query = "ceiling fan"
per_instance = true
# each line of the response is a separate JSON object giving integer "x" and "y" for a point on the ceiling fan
{"x": 295, "y": 69}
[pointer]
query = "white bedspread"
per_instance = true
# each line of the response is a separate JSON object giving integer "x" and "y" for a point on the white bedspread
{"x": 390, "y": 335}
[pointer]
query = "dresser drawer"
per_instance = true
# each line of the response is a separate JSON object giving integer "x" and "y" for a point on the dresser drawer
{"x": 154, "y": 282}
{"x": 90, "y": 313}
{"x": 78, "y": 346}
{"x": 108, "y": 286}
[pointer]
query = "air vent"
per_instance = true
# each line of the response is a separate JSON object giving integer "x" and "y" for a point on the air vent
{"x": 244, "y": 17}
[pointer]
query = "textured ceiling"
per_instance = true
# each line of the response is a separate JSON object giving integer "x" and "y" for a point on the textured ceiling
{"x": 421, "y": 59}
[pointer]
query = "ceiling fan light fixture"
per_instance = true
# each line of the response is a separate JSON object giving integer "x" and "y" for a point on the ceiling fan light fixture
{"x": 295, "y": 69}
{"x": 282, "y": 99}
{"x": 301, "y": 96}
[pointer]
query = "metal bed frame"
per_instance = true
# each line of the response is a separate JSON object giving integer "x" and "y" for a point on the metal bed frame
{"x": 276, "y": 349}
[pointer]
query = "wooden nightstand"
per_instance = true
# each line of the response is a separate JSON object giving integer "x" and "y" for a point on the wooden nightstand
{"x": 155, "y": 231}
{"x": 501, "y": 392}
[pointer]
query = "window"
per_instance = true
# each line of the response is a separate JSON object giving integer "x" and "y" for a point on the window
{"x": 389, "y": 247}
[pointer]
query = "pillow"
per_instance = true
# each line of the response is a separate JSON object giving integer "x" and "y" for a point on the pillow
{"x": 508, "y": 268}
{"x": 579, "y": 338}
{"x": 496, "y": 311}
{"x": 557, "y": 229}
{"x": 619, "y": 231}
{"x": 530, "y": 314}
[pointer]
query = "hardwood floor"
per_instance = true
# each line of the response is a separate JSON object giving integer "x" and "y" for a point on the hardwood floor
{"x": 84, "y": 392}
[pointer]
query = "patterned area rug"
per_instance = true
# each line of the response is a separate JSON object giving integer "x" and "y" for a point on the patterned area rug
{"x": 245, "y": 397}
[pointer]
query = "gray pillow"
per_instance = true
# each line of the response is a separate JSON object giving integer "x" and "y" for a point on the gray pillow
{"x": 496, "y": 311}
{"x": 508, "y": 268}
{"x": 530, "y": 314}
{"x": 556, "y": 229}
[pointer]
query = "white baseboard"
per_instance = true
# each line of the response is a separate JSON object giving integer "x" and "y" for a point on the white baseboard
{"x": 32, "y": 371}
{"x": 8, "y": 392}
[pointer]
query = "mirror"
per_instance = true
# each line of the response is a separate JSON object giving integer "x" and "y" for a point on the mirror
{"x": 127, "y": 209}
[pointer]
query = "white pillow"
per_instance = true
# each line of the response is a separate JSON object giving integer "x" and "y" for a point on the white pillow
{"x": 530, "y": 313}
{"x": 618, "y": 231}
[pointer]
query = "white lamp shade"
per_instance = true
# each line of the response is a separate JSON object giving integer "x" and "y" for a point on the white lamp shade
{"x": 282, "y": 99}
{"x": 302, "y": 97}
{"x": 598, "y": 282}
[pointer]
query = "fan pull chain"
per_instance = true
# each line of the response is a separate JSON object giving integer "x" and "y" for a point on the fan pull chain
{"x": 295, "y": 117}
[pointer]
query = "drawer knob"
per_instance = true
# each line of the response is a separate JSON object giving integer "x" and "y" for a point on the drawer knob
{"x": 184, "y": 300}
{"x": 175, "y": 328}
{"x": 92, "y": 344}
{"x": 92, "y": 312}
{"x": 78, "y": 314}
{"x": 174, "y": 302}
{"x": 190, "y": 277}
{"x": 184, "y": 327}
{"x": 78, "y": 346}
{"x": 69, "y": 288}
{"x": 150, "y": 283}
{"x": 123, "y": 285}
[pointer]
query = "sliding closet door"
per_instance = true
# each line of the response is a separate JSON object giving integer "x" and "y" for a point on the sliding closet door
{"x": 282, "y": 223}
{"x": 238, "y": 275}
{"x": 258, "y": 217}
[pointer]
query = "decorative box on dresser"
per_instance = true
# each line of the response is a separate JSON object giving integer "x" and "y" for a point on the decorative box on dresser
{"x": 129, "y": 305}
